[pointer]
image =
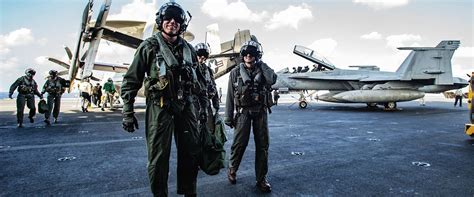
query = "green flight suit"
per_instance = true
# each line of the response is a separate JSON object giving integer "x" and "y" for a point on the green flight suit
{"x": 251, "y": 103}
{"x": 212, "y": 137}
{"x": 168, "y": 111}
{"x": 211, "y": 99}
{"x": 27, "y": 88}
{"x": 55, "y": 89}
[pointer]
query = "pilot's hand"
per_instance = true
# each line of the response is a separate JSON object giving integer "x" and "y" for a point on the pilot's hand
{"x": 10, "y": 96}
{"x": 130, "y": 123}
{"x": 229, "y": 122}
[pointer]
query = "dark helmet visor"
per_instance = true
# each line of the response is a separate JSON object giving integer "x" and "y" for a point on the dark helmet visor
{"x": 202, "y": 52}
{"x": 250, "y": 50}
{"x": 173, "y": 12}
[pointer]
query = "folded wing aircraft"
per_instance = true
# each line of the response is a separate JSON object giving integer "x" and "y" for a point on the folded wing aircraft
{"x": 425, "y": 70}
{"x": 131, "y": 34}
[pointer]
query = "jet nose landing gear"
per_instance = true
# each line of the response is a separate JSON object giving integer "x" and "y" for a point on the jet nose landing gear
{"x": 303, "y": 104}
{"x": 390, "y": 106}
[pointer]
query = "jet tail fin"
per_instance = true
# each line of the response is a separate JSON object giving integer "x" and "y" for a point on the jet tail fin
{"x": 429, "y": 63}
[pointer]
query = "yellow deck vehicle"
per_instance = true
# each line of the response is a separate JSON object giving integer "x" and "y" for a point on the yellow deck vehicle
{"x": 469, "y": 128}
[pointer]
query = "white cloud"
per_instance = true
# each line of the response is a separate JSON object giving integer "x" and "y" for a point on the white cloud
{"x": 42, "y": 41}
{"x": 382, "y": 4}
{"x": 8, "y": 64}
{"x": 402, "y": 40}
{"x": 3, "y": 49}
{"x": 114, "y": 53}
{"x": 231, "y": 11}
{"x": 467, "y": 52}
{"x": 324, "y": 47}
{"x": 137, "y": 10}
{"x": 372, "y": 36}
{"x": 289, "y": 17}
{"x": 18, "y": 37}
{"x": 11, "y": 67}
{"x": 41, "y": 60}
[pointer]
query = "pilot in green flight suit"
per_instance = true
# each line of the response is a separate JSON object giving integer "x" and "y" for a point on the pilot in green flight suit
{"x": 27, "y": 88}
{"x": 249, "y": 94}
{"x": 54, "y": 86}
{"x": 168, "y": 62}
{"x": 202, "y": 51}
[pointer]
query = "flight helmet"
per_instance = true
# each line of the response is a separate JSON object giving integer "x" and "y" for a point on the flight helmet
{"x": 253, "y": 48}
{"x": 30, "y": 72}
{"x": 172, "y": 10}
{"x": 202, "y": 49}
{"x": 53, "y": 73}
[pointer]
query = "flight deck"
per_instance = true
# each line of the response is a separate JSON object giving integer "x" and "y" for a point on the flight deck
{"x": 326, "y": 149}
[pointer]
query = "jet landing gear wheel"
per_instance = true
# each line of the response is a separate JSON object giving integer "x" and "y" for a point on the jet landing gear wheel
{"x": 303, "y": 104}
{"x": 371, "y": 105}
{"x": 390, "y": 106}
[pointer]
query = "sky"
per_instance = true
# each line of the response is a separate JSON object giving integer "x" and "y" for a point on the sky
{"x": 346, "y": 32}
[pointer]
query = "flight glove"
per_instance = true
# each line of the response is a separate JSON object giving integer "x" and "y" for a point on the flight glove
{"x": 229, "y": 122}
{"x": 130, "y": 122}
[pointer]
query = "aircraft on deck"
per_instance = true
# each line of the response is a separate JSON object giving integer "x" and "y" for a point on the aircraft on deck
{"x": 425, "y": 70}
{"x": 131, "y": 34}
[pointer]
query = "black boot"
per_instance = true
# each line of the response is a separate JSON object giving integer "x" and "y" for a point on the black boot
{"x": 232, "y": 176}
{"x": 264, "y": 186}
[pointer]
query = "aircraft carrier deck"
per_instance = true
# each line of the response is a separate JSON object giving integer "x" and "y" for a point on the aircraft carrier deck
{"x": 325, "y": 150}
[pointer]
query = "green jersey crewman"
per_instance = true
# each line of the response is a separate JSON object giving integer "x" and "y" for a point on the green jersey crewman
{"x": 165, "y": 63}
{"x": 109, "y": 89}
{"x": 27, "y": 88}
{"x": 249, "y": 94}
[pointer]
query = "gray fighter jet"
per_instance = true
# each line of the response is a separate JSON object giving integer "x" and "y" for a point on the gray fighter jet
{"x": 425, "y": 70}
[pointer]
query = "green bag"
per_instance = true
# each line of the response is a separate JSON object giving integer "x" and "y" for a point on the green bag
{"x": 213, "y": 153}
{"x": 42, "y": 106}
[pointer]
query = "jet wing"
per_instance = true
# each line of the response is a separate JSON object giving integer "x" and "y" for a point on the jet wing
{"x": 121, "y": 38}
{"x": 380, "y": 78}
{"x": 132, "y": 28}
{"x": 345, "y": 75}
{"x": 330, "y": 77}
{"x": 117, "y": 68}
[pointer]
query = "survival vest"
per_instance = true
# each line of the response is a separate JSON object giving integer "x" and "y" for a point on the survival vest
{"x": 168, "y": 77}
{"x": 27, "y": 86}
{"x": 54, "y": 87}
{"x": 248, "y": 89}
{"x": 210, "y": 84}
